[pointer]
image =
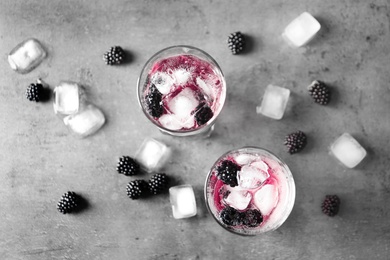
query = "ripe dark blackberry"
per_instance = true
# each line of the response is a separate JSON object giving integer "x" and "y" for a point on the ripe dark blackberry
{"x": 203, "y": 115}
{"x": 154, "y": 102}
{"x": 295, "y": 142}
{"x": 319, "y": 92}
{"x": 330, "y": 205}
{"x": 114, "y": 56}
{"x": 236, "y": 42}
{"x": 227, "y": 172}
{"x": 252, "y": 218}
{"x": 158, "y": 183}
{"x": 137, "y": 189}
{"x": 68, "y": 202}
{"x": 34, "y": 92}
{"x": 231, "y": 217}
{"x": 127, "y": 166}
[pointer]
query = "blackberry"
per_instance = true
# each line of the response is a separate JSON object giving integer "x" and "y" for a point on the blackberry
{"x": 158, "y": 183}
{"x": 330, "y": 205}
{"x": 227, "y": 172}
{"x": 127, "y": 166}
{"x": 68, "y": 202}
{"x": 231, "y": 217}
{"x": 236, "y": 42}
{"x": 34, "y": 92}
{"x": 295, "y": 142}
{"x": 203, "y": 115}
{"x": 319, "y": 92}
{"x": 114, "y": 56}
{"x": 137, "y": 189}
{"x": 252, "y": 218}
{"x": 154, "y": 102}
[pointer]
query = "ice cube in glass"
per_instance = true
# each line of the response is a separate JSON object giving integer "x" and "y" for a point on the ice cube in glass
{"x": 348, "y": 151}
{"x": 67, "y": 98}
{"x": 183, "y": 201}
{"x": 238, "y": 199}
{"x": 301, "y": 30}
{"x": 266, "y": 198}
{"x": 152, "y": 154}
{"x": 26, "y": 56}
{"x": 274, "y": 102}
{"x": 86, "y": 121}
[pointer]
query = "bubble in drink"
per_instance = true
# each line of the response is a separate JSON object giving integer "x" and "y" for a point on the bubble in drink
{"x": 67, "y": 98}
{"x": 26, "y": 56}
{"x": 348, "y": 151}
{"x": 301, "y": 30}
{"x": 152, "y": 155}
{"x": 85, "y": 122}
{"x": 274, "y": 102}
{"x": 182, "y": 199}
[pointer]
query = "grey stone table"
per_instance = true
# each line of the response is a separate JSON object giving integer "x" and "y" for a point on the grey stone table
{"x": 40, "y": 159}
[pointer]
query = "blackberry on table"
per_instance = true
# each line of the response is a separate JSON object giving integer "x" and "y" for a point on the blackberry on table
{"x": 154, "y": 102}
{"x": 203, "y": 115}
{"x": 319, "y": 92}
{"x": 295, "y": 142}
{"x": 34, "y": 92}
{"x": 231, "y": 217}
{"x": 127, "y": 166}
{"x": 158, "y": 183}
{"x": 227, "y": 172}
{"x": 236, "y": 42}
{"x": 137, "y": 189}
{"x": 330, "y": 205}
{"x": 68, "y": 202}
{"x": 252, "y": 218}
{"x": 114, "y": 56}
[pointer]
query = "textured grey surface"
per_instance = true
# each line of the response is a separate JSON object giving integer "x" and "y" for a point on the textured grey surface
{"x": 40, "y": 159}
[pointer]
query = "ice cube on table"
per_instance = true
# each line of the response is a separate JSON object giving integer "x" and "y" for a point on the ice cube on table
{"x": 266, "y": 198}
{"x": 163, "y": 82}
{"x": 182, "y": 199}
{"x": 238, "y": 199}
{"x": 251, "y": 177}
{"x": 348, "y": 151}
{"x": 86, "y": 121}
{"x": 274, "y": 102}
{"x": 67, "y": 98}
{"x": 182, "y": 105}
{"x": 152, "y": 154}
{"x": 26, "y": 56}
{"x": 301, "y": 30}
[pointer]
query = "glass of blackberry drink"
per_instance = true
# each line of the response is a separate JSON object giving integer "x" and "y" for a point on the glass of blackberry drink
{"x": 182, "y": 90}
{"x": 249, "y": 191}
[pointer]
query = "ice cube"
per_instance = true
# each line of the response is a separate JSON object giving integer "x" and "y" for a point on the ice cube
{"x": 86, "y": 121}
{"x": 181, "y": 76}
{"x": 348, "y": 151}
{"x": 260, "y": 165}
{"x": 238, "y": 199}
{"x": 266, "y": 198}
{"x": 182, "y": 106}
{"x": 274, "y": 102}
{"x": 243, "y": 158}
{"x": 163, "y": 82}
{"x": 301, "y": 30}
{"x": 67, "y": 98}
{"x": 26, "y": 56}
{"x": 251, "y": 177}
{"x": 206, "y": 88}
{"x": 152, "y": 154}
{"x": 169, "y": 121}
{"x": 183, "y": 201}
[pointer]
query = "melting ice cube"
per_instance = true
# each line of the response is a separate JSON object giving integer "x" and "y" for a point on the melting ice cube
{"x": 274, "y": 102}
{"x": 183, "y": 201}
{"x": 251, "y": 177}
{"x": 67, "y": 98}
{"x": 181, "y": 76}
{"x": 206, "y": 88}
{"x": 301, "y": 30}
{"x": 243, "y": 158}
{"x": 152, "y": 154}
{"x": 238, "y": 199}
{"x": 86, "y": 121}
{"x": 348, "y": 151}
{"x": 26, "y": 56}
{"x": 163, "y": 82}
{"x": 169, "y": 121}
{"x": 266, "y": 199}
{"x": 182, "y": 106}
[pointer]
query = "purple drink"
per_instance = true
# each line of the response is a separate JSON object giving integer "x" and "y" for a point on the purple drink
{"x": 182, "y": 90}
{"x": 250, "y": 191}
